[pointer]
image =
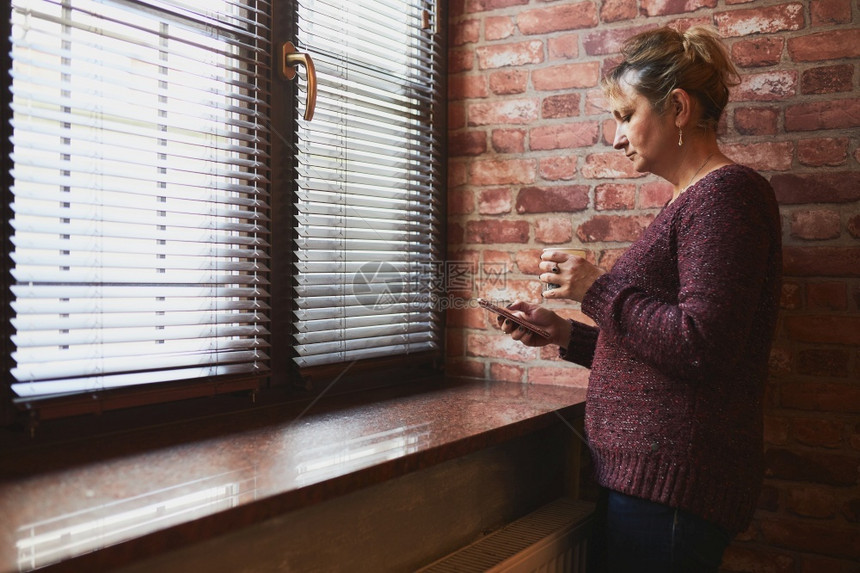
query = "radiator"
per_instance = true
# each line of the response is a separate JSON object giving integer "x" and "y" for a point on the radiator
{"x": 552, "y": 539}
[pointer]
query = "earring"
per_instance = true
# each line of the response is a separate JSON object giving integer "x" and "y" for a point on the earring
{"x": 680, "y": 136}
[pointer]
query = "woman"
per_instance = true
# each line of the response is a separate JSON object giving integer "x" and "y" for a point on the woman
{"x": 685, "y": 320}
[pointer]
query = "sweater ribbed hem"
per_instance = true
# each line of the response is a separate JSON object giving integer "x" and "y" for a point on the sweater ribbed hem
{"x": 678, "y": 485}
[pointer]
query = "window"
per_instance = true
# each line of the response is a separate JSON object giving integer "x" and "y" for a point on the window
{"x": 146, "y": 178}
{"x": 368, "y": 219}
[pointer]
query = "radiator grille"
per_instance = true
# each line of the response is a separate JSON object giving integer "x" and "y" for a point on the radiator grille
{"x": 552, "y": 538}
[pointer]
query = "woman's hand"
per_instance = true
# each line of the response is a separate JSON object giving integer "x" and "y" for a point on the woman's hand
{"x": 571, "y": 272}
{"x": 558, "y": 327}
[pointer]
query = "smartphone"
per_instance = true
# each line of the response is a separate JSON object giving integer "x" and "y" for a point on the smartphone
{"x": 530, "y": 326}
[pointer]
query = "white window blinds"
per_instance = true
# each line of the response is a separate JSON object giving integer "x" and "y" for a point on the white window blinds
{"x": 140, "y": 192}
{"x": 368, "y": 202}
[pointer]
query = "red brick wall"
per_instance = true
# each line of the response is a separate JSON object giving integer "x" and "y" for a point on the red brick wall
{"x": 531, "y": 165}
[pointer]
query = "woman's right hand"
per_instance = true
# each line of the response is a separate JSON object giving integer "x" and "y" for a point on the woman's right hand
{"x": 558, "y": 327}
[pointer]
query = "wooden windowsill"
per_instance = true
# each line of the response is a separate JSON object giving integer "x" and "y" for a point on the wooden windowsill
{"x": 106, "y": 501}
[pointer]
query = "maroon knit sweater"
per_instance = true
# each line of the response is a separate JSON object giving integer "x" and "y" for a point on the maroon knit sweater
{"x": 679, "y": 358}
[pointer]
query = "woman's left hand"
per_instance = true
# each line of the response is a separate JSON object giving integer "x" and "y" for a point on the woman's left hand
{"x": 572, "y": 273}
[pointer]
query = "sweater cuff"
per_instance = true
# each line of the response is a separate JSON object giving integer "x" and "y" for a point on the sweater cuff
{"x": 599, "y": 299}
{"x": 580, "y": 349}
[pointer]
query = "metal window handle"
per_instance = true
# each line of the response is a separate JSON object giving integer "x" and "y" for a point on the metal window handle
{"x": 289, "y": 58}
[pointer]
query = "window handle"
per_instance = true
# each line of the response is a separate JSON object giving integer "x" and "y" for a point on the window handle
{"x": 289, "y": 58}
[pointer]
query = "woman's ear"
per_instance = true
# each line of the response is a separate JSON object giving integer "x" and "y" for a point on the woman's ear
{"x": 682, "y": 106}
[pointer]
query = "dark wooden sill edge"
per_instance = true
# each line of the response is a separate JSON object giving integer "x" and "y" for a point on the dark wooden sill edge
{"x": 212, "y": 526}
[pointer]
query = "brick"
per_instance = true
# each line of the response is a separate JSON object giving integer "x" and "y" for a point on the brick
{"x": 823, "y": 151}
{"x": 853, "y": 226}
{"x": 791, "y": 297}
{"x": 509, "y": 140}
{"x": 467, "y": 87}
{"x": 830, "y": 45}
{"x": 668, "y": 7}
{"x": 498, "y": 27}
{"x": 516, "y": 54}
{"x": 838, "y": 187}
{"x": 502, "y": 172}
{"x": 497, "y": 231}
{"x": 528, "y": 261}
{"x": 609, "y": 166}
{"x": 757, "y": 52}
{"x": 769, "y": 156}
{"x": 824, "y": 329}
{"x": 455, "y": 345}
{"x": 756, "y": 120}
{"x": 509, "y": 82}
{"x": 546, "y": 199}
{"x": 806, "y": 536}
{"x": 464, "y": 32}
{"x": 558, "y": 168}
{"x": 613, "y": 228}
{"x": 466, "y": 368}
{"x": 832, "y": 295}
{"x": 565, "y": 136}
{"x": 508, "y": 111}
{"x": 455, "y": 234}
{"x": 473, "y": 6}
{"x": 495, "y": 201}
{"x": 762, "y": 20}
{"x": 614, "y": 196}
{"x": 458, "y": 174}
{"x": 812, "y": 501}
{"x": 566, "y": 76}
{"x": 776, "y": 430}
{"x": 605, "y": 42}
{"x": 506, "y": 372}
{"x": 812, "y": 467}
{"x": 821, "y": 261}
{"x": 558, "y": 18}
{"x": 817, "y": 432}
{"x": 655, "y": 194}
{"x": 466, "y": 318}
{"x": 553, "y": 230}
{"x": 608, "y": 131}
{"x": 851, "y": 510}
{"x": 504, "y": 291}
{"x": 466, "y": 143}
{"x": 767, "y": 86}
{"x": 461, "y": 202}
{"x": 820, "y": 564}
{"x": 816, "y": 224}
{"x": 757, "y": 559}
{"x": 565, "y": 105}
{"x": 456, "y": 115}
{"x": 496, "y": 262}
{"x": 830, "y": 114}
{"x": 564, "y": 47}
{"x": 562, "y": 375}
{"x": 826, "y": 12}
{"x": 617, "y": 10}
{"x": 827, "y": 79}
{"x": 596, "y": 103}
{"x": 460, "y": 61}
{"x": 821, "y": 396}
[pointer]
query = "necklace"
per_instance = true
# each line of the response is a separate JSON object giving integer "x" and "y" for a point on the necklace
{"x": 708, "y": 158}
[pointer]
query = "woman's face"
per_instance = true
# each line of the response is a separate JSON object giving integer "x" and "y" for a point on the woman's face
{"x": 648, "y": 138}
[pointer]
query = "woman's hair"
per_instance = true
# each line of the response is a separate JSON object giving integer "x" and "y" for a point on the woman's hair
{"x": 665, "y": 59}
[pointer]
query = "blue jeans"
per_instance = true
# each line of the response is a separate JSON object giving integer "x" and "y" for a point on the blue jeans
{"x": 639, "y": 536}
